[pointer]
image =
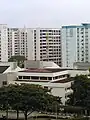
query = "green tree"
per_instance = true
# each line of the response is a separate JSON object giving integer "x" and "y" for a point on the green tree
{"x": 19, "y": 59}
{"x": 35, "y": 98}
{"x": 81, "y": 92}
{"x": 26, "y": 98}
{"x": 14, "y": 98}
{"x": 4, "y": 100}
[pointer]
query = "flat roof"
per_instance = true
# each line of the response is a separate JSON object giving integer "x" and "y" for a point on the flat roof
{"x": 46, "y": 70}
{"x": 83, "y": 25}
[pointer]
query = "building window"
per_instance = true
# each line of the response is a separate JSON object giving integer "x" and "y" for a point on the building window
{"x": 43, "y": 78}
{"x": 71, "y": 32}
{"x": 82, "y": 59}
{"x": 77, "y": 43}
{"x": 87, "y": 58}
{"x": 78, "y": 55}
{"x": 26, "y": 77}
{"x": 82, "y": 29}
{"x": 56, "y": 77}
{"x": 86, "y": 36}
{"x": 35, "y": 77}
{"x": 20, "y": 77}
{"x": 49, "y": 78}
{"x": 77, "y": 29}
{"x": 63, "y": 75}
{"x": 78, "y": 59}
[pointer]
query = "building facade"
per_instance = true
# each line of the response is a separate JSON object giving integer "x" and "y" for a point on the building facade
{"x": 58, "y": 80}
{"x": 17, "y": 42}
{"x": 47, "y": 45}
{"x": 75, "y": 44}
{"x": 3, "y": 43}
{"x": 54, "y": 79}
{"x": 35, "y": 44}
{"x": 43, "y": 44}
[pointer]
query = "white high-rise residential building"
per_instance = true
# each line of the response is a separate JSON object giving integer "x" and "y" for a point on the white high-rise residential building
{"x": 17, "y": 42}
{"x": 75, "y": 44}
{"x": 42, "y": 44}
{"x": 13, "y": 42}
{"x": 45, "y": 45}
{"x": 3, "y": 43}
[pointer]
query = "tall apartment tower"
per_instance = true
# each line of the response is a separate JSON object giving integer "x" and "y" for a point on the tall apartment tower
{"x": 46, "y": 45}
{"x": 17, "y": 42}
{"x": 75, "y": 44}
{"x": 3, "y": 43}
{"x": 35, "y": 44}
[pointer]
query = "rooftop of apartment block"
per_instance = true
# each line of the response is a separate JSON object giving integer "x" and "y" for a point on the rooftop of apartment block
{"x": 83, "y": 25}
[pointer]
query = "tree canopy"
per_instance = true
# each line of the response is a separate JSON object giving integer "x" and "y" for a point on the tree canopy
{"x": 26, "y": 98}
{"x": 19, "y": 59}
{"x": 81, "y": 92}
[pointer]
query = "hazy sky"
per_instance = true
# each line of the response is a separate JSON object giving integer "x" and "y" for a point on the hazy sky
{"x": 44, "y": 13}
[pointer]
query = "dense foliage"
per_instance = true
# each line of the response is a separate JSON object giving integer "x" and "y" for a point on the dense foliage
{"x": 26, "y": 98}
{"x": 81, "y": 92}
{"x": 19, "y": 59}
